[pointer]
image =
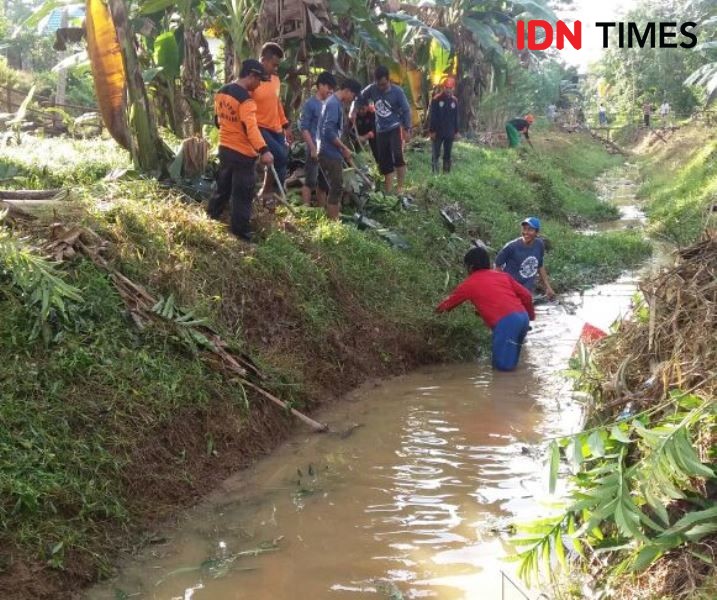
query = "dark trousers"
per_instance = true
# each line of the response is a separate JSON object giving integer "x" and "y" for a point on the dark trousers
{"x": 277, "y": 146}
{"x": 235, "y": 182}
{"x": 447, "y": 143}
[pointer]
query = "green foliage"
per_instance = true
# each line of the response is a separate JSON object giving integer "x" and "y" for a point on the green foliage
{"x": 637, "y": 75}
{"x": 76, "y": 417}
{"x": 35, "y": 284}
{"x": 628, "y": 476}
{"x": 681, "y": 182}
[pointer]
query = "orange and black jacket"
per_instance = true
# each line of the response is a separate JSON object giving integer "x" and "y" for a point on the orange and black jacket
{"x": 235, "y": 116}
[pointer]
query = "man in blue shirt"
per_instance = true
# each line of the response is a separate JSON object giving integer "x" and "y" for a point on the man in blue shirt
{"x": 332, "y": 151}
{"x": 392, "y": 114}
{"x": 309, "y": 123}
{"x": 522, "y": 258}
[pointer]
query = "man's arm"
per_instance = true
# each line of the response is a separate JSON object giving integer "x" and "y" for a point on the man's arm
{"x": 544, "y": 274}
{"x": 433, "y": 122}
{"x": 502, "y": 257}
{"x": 305, "y": 133}
{"x": 405, "y": 111}
{"x": 247, "y": 115}
{"x": 457, "y": 298}
{"x": 546, "y": 283}
{"x": 332, "y": 119}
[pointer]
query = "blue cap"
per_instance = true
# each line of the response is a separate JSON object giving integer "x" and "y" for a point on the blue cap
{"x": 533, "y": 222}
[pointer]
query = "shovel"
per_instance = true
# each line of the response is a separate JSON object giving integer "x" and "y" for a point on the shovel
{"x": 283, "y": 199}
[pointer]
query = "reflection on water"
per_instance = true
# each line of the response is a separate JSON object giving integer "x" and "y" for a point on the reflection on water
{"x": 414, "y": 503}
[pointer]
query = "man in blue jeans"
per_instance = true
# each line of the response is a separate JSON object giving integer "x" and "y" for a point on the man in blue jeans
{"x": 271, "y": 118}
{"x": 504, "y": 305}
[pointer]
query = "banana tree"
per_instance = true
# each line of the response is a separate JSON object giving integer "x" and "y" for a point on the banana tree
{"x": 482, "y": 32}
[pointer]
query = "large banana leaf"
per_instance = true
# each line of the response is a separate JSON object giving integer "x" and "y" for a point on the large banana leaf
{"x": 167, "y": 55}
{"x": 108, "y": 70}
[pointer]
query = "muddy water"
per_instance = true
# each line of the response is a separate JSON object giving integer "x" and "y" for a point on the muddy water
{"x": 408, "y": 498}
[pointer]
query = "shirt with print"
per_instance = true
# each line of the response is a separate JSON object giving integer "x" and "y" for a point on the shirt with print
{"x": 391, "y": 107}
{"x": 331, "y": 125}
{"x": 521, "y": 261}
{"x": 493, "y": 294}
{"x": 444, "y": 115}
{"x": 269, "y": 110}
{"x": 235, "y": 116}
{"x": 310, "y": 114}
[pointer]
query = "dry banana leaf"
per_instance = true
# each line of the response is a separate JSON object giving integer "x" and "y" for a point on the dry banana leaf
{"x": 108, "y": 70}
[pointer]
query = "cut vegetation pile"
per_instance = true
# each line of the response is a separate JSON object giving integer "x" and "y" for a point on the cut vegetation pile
{"x": 640, "y": 514}
{"x": 109, "y": 427}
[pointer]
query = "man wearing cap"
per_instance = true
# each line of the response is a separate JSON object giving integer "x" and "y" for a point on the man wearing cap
{"x": 443, "y": 126}
{"x": 332, "y": 151}
{"x": 240, "y": 142}
{"x": 522, "y": 258}
{"x": 365, "y": 123}
{"x": 310, "y": 114}
{"x": 393, "y": 126}
{"x": 504, "y": 305}
{"x": 515, "y": 127}
{"x": 270, "y": 115}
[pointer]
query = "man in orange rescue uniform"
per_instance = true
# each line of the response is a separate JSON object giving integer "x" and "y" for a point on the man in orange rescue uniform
{"x": 270, "y": 116}
{"x": 240, "y": 142}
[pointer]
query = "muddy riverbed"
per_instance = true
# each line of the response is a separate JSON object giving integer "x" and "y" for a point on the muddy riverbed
{"x": 410, "y": 495}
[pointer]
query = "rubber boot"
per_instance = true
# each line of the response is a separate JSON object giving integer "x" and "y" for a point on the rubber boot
{"x": 446, "y": 166}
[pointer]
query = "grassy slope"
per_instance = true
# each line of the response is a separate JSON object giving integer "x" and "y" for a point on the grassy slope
{"x": 681, "y": 178}
{"x": 110, "y": 428}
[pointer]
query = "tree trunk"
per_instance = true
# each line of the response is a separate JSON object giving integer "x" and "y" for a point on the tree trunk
{"x": 192, "y": 85}
{"x": 148, "y": 152}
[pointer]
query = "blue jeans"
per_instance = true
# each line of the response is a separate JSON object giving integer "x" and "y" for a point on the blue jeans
{"x": 277, "y": 146}
{"x": 508, "y": 336}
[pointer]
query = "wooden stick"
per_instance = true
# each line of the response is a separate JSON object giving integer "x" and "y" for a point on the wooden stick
{"x": 145, "y": 301}
{"x": 29, "y": 194}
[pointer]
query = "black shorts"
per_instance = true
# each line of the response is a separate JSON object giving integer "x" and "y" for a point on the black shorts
{"x": 389, "y": 148}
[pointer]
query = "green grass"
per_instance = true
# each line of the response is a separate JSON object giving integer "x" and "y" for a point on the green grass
{"x": 48, "y": 163}
{"x": 681, "y": 184}
{"x": 317, "y": 307}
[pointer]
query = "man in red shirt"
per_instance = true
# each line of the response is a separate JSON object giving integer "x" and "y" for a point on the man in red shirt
{"x": 504, "y": 305}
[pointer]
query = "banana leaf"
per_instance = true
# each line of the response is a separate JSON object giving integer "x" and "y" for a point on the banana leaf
{"x": 108, "y": 70}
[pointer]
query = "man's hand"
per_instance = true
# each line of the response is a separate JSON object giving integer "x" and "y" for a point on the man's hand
{"x": 432, "y": 135}
{"x": 314, "y": 151}
{"x": 289, "y": 136}
{"x": 370, "y": 135}
{"x": 406, "y": 135}
{"x": 267, "y": 158}
{"x": 456, "y": 136}
{"x": 549, "y": 293}
{"x": 346, "y": 153}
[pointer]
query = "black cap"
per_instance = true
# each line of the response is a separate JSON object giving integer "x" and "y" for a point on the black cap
{"x": 252, "y": 66}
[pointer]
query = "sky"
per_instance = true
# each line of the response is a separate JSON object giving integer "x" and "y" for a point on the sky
{"x": 591, "y": 12}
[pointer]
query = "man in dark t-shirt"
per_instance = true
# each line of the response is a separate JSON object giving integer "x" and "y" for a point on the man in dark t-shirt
{"x": 443, "y": 125}
{"x": 522, "y": 258}
{"x": 515, "y": 127}
{"x": 365, "y": 121}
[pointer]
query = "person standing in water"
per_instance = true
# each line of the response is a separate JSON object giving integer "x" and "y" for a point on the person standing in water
{"x": 522, "y": 258}
{"x": 505, "y": 306}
